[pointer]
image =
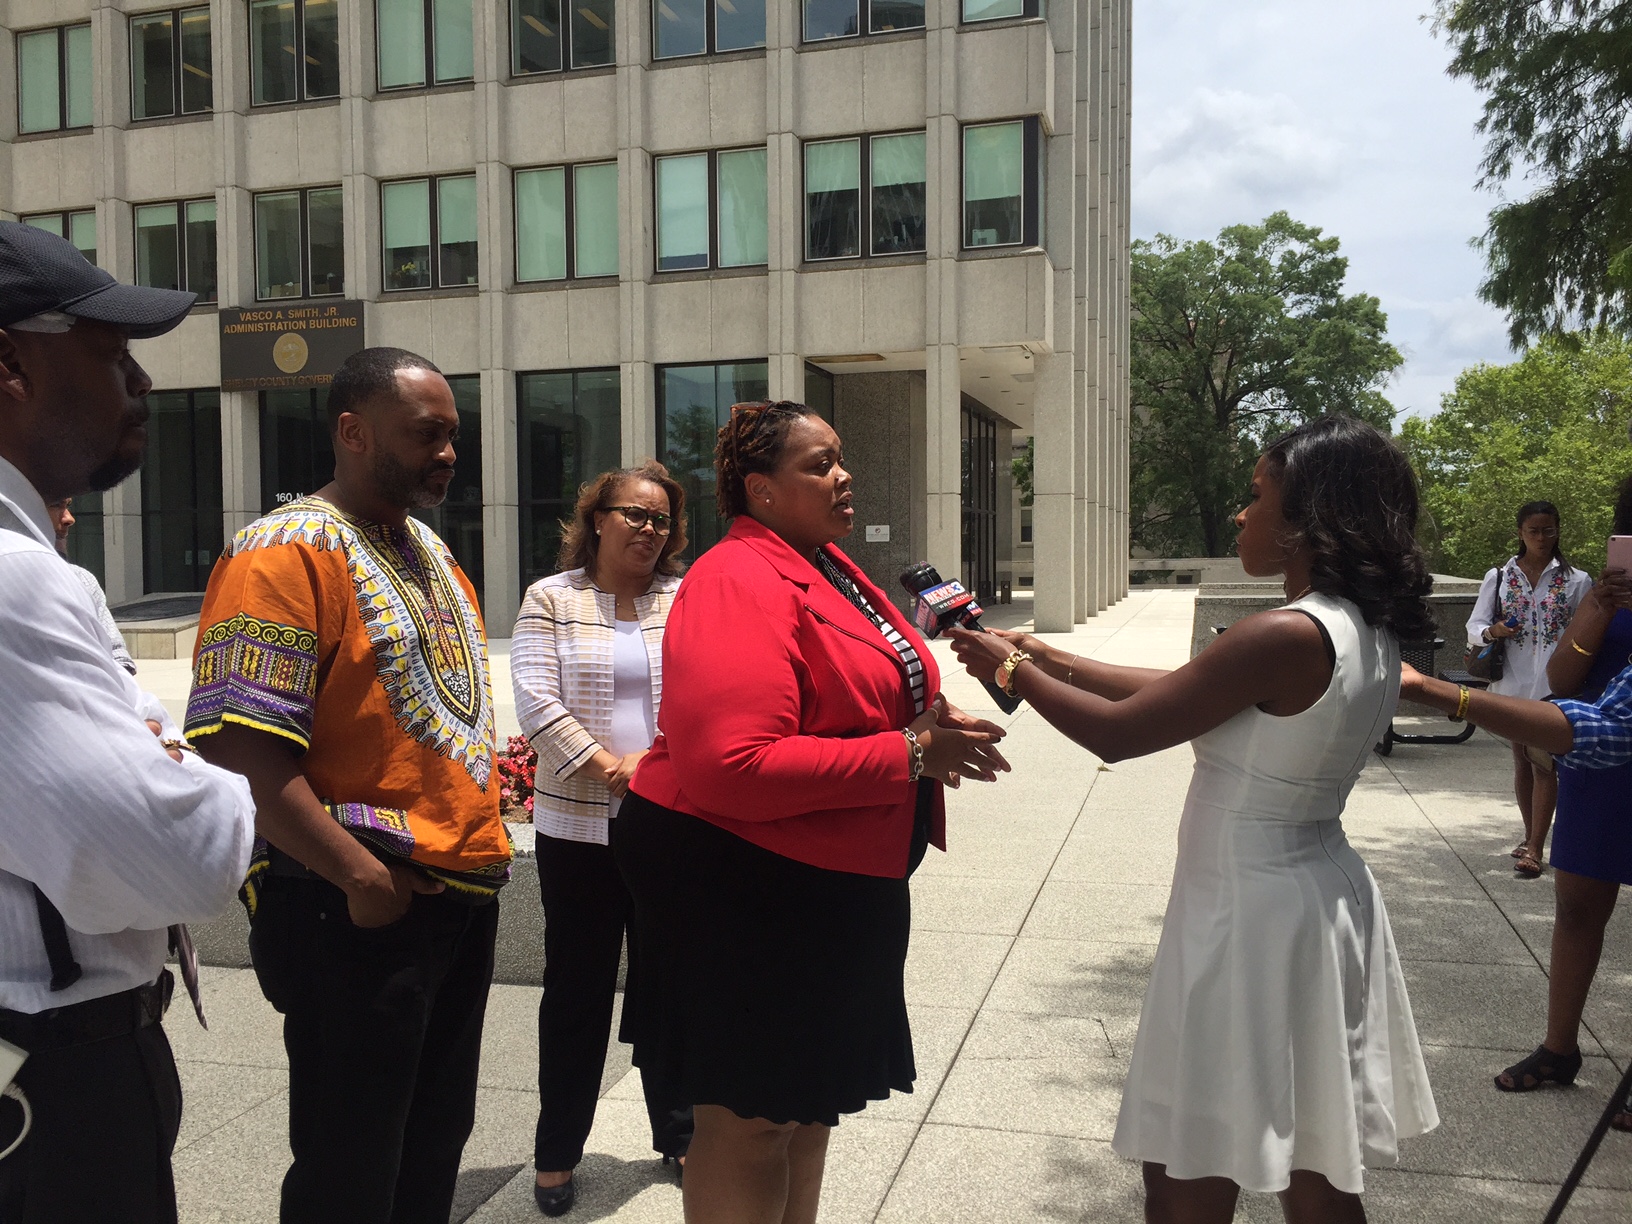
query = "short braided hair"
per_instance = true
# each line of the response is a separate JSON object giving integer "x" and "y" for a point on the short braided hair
{"x": 751, "y": 441}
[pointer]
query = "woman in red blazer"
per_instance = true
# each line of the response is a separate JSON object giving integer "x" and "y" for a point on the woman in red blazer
{"x": 767, "y": 836}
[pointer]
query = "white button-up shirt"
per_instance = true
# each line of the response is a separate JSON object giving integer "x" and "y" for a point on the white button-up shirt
{"x": 122, "y": 839}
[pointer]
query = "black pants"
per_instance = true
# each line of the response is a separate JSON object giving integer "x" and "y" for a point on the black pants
{"x": 105, "y": 1123}
{"x": 384, "y": 1031}
{"x": 586, "y": 912}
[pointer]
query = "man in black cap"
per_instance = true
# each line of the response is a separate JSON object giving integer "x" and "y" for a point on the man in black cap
{"x": 111, "y": 829}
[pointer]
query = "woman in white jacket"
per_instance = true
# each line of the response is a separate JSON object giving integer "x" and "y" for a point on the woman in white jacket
{"x": 1527, "y": 603}
{"x": 587, "y": 665}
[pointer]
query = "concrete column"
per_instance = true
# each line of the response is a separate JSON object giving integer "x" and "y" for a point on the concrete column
{"x": 637, "y": 389}
{"x": 1053, "y": 510}
{"x": 501, "y": 524}
{"x": 936, "y": 427}
{"x": 783, "y": 204}
{"x": 1124, "y": 96}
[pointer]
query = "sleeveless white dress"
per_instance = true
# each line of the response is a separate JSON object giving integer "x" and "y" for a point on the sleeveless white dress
{"x": 1276, "y": 1033}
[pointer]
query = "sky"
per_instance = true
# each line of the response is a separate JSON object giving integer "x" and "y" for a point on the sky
{"x": 1339, "y": 112}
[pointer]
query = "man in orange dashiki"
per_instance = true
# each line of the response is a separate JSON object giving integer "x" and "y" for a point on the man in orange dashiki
{"x": 342, "y": 668}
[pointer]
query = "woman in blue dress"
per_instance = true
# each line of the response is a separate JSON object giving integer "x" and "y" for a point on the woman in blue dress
{"x": 1592, "y": 835}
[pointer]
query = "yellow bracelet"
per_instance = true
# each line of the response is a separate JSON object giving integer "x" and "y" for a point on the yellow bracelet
{"x": 1007, "y": 668}
{"x": 1071, "y": 668}
{"x": 1465, "y": 695}
{"x": 1576, "y": 646}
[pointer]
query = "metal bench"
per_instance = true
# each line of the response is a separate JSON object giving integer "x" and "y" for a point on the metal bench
{"x": 1421, "y": 656}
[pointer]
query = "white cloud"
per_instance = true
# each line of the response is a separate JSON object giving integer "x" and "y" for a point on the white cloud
{"x": 1229, "y": 152}
{"x": 1341, "y": 114}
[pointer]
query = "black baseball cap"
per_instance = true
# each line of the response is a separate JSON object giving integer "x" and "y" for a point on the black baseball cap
{"x": 40, "y": 272}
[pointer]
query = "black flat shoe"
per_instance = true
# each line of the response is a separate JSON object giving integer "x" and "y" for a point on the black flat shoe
{"x": 556, "y": 1200}
{"x": 1543, "y": 1067}
{"x": 679, "y": 1163}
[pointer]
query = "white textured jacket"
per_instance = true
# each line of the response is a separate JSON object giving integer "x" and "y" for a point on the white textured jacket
{"x": 561, "y": 667}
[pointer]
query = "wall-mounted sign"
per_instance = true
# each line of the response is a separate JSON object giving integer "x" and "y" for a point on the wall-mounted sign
{"x": 266, "y": 347}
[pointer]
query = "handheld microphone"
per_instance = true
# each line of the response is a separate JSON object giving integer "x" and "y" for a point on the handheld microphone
{"x": 940, "y": 605}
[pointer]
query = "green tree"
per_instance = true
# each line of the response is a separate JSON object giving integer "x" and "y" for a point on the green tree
{"x": 1558, "y": 80}
{"x": 1024, "y": 468}
{"x": 1551, "y": 426}
{"x": 1233, "y": 342}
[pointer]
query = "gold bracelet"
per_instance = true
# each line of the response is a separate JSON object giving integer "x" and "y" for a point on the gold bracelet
{"x": 1576, "y": 646}
{"x": 1464, "y": 696}
{"x": 1006, "y": 670}
{"x": 1071, "y": 668}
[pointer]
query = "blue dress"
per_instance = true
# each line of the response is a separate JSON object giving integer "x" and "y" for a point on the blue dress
{"x": 1592, "y": 832}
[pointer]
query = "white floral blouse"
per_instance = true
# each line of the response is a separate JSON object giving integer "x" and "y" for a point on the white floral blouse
{"x": 1543, "y": 611}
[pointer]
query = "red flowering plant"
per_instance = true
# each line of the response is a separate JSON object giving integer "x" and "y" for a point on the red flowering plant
{"x": 518, "y": 764}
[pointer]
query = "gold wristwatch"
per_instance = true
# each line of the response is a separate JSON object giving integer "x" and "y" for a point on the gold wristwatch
{"x": 1005, "y": 671}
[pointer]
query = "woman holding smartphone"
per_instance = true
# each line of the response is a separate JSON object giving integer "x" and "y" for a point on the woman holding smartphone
{"x": 1276, "y": 1049}
{"x": 1592, "y": 840}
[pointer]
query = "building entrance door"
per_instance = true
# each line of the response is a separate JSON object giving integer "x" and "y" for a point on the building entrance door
{"x": 979, "y": 501}
{"x": 181, "y": 490}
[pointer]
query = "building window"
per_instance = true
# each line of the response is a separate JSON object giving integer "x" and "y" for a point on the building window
{"x": 819, "y": 390}
{"x": 1002, "y": 191}
{"x": 693, "y": 401}
{"x": 78, "y": 227}
{"x": 181, "y": 490}
{"x": 826, "y": 19}
{"x": 297, "y": 455}
{"x": 996, "y": 10}
{"x": 567, "y": 222}
{"x": 458, "y": 520}
{"x": 1025, "y": 524}
{"x": 886, "y": 171}
{"x": 294, "y": 50}
{"x": 540, "y": 43}
{"x": 569, "y": 430}
{"x": 704, "y": 27}
{"x": 54, "y": 79}
{"x": 170, "y": 71}
{"x": 711, "y": 210}
{"x": 423, "y": 42}
{"x": 412, "y": 212}
{"x": 299, "y": 244}
{"x": 86, "y": 546}
{"x": 175, "y": 246}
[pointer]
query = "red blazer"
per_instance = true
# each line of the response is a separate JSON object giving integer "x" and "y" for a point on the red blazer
{"x": 783, "y": 708}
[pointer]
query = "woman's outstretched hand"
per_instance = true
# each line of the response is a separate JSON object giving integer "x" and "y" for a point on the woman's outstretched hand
{"x": 983, "y": 653}
{"x": 957, "y": 746}
{"x": 1411, "y": 681}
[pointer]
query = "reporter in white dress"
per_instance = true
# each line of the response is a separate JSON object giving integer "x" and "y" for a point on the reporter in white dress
{"x": 587, "y": 664}
{"x": 1276, "y": 1049}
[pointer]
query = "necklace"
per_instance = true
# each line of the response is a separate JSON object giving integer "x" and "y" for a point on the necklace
{"x": 1301, "y": 593}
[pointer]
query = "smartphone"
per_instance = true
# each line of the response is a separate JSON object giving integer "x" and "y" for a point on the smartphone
{"x": 1620, "y": 553}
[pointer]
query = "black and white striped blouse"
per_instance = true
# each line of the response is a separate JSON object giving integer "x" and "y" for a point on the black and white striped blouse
{"x": 909, "y": 656}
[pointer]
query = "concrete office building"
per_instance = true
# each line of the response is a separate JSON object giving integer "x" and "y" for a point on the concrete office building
{"x": 606, "y": 221}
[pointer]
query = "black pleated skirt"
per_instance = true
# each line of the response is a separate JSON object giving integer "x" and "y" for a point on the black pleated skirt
{"x": 765, "y": 985}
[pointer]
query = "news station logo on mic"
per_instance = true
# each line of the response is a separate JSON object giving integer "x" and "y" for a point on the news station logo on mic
{"x": 940, "y": 604}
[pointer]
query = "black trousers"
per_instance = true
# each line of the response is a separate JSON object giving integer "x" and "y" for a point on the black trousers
{"x": 105, "y": 1121}
{"x": 384, "y": 1030}
{"x": 586, "y": 914}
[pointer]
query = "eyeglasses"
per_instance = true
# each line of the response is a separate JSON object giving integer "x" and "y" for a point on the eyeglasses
{"x": 638, "y": 516}
{"x": 1542, "y": 533}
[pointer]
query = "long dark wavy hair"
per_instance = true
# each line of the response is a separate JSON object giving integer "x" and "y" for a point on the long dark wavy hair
{"x": 580, "y": 544}
{"x": 1530, "y": 510}
{"x": 1348, "y": 496}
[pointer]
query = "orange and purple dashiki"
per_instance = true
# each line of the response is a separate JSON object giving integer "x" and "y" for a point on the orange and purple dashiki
{"x": 362, "y": 645}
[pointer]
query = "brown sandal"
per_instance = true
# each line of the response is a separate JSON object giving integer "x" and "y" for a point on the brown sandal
{"x": 1622, "y": 1121}
{"x": 1519, "y": 850}
{"x": 1527, "y": 865}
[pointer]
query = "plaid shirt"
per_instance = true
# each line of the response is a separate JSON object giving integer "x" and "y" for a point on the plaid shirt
{"x": 1603, "y": 728}
{"x": 561, "y": 666}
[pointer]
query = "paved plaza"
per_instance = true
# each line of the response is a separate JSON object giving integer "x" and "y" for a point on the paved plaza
{"x": 1031, "y": 944}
